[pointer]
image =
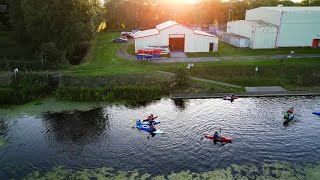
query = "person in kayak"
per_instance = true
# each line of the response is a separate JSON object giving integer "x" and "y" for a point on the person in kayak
{"x": 216, "y": 136}
{"x": 151, "y": 117}
{"x": 288, "y": 113}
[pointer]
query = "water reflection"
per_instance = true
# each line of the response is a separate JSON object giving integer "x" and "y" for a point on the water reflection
{"x": 76, "y": 126}
{"x": 137, "y": 104}
{"x": 180, "y": 104}
{"x": 3, "y": 127}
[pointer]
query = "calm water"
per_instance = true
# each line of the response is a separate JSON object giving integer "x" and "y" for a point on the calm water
{"x": 104, "y": 136}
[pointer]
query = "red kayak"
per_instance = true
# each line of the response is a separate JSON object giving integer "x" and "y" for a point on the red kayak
{"x": 149, "y": 118}
{"x": 224, "y": 139}
{"x": 230, "y": 98}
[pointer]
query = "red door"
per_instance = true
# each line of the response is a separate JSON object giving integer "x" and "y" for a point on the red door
{"x": 176, "y": 44}
{"x": 315, "y": 43}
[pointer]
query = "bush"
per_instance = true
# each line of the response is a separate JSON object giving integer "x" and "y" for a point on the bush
{"x": 23, "y": 89}
{"x": 50, "y": 56}
{"x": 181, "y": 79}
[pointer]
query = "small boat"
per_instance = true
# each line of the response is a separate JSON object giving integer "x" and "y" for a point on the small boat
{"x": 288, "y": 119}
{"x": 230, "y": 97}
{"x": 316, "y": 113}
{"x": 223, "y": 139}
{"x": 149, "y": 130}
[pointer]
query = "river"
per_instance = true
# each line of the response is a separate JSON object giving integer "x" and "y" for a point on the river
{"x": 103, "y": 136}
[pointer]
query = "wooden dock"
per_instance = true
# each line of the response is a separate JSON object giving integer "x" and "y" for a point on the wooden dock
{"x": 251, "y": 94}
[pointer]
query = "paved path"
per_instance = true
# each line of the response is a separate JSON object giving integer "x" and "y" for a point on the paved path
{"x": 178, "y": 55}
{"x": 208, "y": 59}
{"x": 122, "y": 52}
{"x": 205, "y": 80}
{"x": 257, "y": 94}
{"x": 265, "y": 89}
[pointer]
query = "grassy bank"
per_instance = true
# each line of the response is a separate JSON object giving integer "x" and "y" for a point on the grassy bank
{"x": 228, "y": 50}
{"x": 23, "y": 89}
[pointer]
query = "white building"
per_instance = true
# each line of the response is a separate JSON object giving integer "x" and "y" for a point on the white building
{"x": 178, "y": 37}
{"x": 272, "y": 27}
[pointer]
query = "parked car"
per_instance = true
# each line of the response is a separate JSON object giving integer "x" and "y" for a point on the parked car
{"x": 127, "y": 34}
{"x": 120, "y": 40}
{"x": 164, "y": 49}
{"x": 134, "y": 31}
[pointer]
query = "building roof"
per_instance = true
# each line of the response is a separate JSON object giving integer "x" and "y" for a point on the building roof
{"x": 257, "y": 23}
{"x": 149, "y": 32}
{"x": 203, "y": 33}
{"x": 165, "y": 25}
{"x": 294, "y": 8}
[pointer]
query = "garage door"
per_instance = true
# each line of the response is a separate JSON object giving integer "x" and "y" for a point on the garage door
{"x": 176, "y": 44}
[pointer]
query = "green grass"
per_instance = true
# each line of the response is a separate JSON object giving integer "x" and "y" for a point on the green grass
{"x": 228, "y": 50}
{"x": 293, "y": 74}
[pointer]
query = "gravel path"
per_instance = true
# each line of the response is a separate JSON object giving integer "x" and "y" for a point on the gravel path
{"x": 122, "y": 52}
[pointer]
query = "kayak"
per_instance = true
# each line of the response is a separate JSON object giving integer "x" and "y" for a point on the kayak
{"x": 316, "y": 113}
{"x": 223, "y": 139}
{"x": 145, "y": 122}
{"x": 290, "y": 118}
{"x": 148, "y": 118}
{"x": 147, "y": 129}
{"x": 230, "y": 98}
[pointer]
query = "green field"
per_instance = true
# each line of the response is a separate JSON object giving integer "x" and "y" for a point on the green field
{"x": 293, "y": 74}
{"x": 228, "y": 50}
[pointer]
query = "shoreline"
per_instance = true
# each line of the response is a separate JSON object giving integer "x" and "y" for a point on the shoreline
{"x": 247, "y": 94}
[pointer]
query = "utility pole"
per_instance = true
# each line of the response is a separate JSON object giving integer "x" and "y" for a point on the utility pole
{"x": 230, "y": 10}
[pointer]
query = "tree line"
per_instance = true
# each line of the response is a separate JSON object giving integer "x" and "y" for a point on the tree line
{"x": 56, "y": 30}
{"x": 148, "y": 13}
{"x": 60, "y": 30}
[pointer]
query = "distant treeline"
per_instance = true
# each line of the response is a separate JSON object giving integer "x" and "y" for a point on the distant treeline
{"x": 148, "y": 13}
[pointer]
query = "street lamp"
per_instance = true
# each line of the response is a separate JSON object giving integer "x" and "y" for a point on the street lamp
{"x": 230, "y": 10}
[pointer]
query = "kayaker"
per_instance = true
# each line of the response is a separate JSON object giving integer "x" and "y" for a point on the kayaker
{"x": 216, "y": 136}
{"x": 290, "y": 111}
{"x": 151, "y": 117}
{"x": 139, "y": 124}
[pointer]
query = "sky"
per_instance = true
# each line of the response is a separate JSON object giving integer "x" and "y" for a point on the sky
{"x": 192, "y": 1}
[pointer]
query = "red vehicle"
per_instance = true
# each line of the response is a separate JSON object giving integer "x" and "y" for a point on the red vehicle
{"x": 129, "y": 35}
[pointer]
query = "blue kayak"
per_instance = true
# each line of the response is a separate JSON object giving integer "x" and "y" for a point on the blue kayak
{"x": 316, "y": 113}
{"x": 145, "y": 127}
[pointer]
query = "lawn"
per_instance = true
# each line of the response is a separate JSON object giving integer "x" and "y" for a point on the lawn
{"x": 228, "y": 50}
{"x": 293, "y": 74}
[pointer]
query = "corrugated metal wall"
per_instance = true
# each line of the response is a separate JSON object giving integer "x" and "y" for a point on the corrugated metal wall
{"x": 141, "y": 43}
{"x": 260, "y": 36}
{"x": 263, "y": 14}
{"x": 299, "y": 28}
{"x": 264, "y": 37}
{"x": 193, "y": 42}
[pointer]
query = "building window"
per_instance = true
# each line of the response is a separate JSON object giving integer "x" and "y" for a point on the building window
{"x": 3, "y": 8}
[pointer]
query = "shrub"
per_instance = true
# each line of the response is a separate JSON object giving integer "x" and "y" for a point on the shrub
{"x": 50, "y": 56}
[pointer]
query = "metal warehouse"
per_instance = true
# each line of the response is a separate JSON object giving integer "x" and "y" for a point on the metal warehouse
{"x": 178, "y": 37}
{"x": 272, "y": 27}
